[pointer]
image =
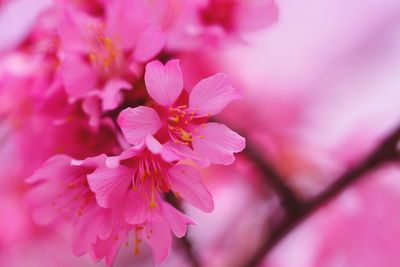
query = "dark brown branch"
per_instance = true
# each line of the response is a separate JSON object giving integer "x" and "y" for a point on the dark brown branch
{"x": 290, "y": 202}
{"x": 385, "y": 152}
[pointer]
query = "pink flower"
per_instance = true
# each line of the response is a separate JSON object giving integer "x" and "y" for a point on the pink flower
{"x": 102, "y": 58}
{"x": 61, "y": 193}
{"x": 179, "y": 121}
{"x": 191, "y": 24}
{"x": 139, "y": 176}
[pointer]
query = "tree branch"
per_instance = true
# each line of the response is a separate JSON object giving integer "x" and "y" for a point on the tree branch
{"x": 385, "y": 152}
{"x": 290, "y": 202}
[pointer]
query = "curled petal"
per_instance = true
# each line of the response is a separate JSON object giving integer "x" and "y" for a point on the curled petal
{"x": 111, "y": 94}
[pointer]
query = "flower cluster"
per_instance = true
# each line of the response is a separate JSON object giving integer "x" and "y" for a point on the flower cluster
{"x": 113, "y": 130}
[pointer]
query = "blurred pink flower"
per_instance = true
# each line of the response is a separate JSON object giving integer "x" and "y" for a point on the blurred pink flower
{"x": 180, "y": 120}
{"x": 102, "y": 57}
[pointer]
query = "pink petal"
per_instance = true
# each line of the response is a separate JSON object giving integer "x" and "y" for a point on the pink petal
{"x": 173, "y": 152}
{"x": 149, "y": 44}
{"x": 110, "y": 185}
{"x": 39, "y": 199}
{"x": 137, "y": 123}
{"x": 153, "y": 145}
{"x": 176, "y": 220}
{"x": 137, "y": 209}
{"x": 186, "y": 181}
{"x": 110, "y": 247}
{"x": 73, "y": 29}
{"x": 159, "y": 241}
{"x": 164, "y": 83}
{"x": 105, "y": 225}
{"x": 53, "y": 167}
{"x": 84, "y": 234}
{"x": 91, "y": 106}
{"x": 217, "y": 142}
{"x": 211, "y": 95}
{"x": 111, "y": 94}
{"x": 78, "y": 76}
{"x": 125, "y": 21}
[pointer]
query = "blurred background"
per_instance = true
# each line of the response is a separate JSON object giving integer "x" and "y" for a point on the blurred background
{"x": 321, "y": 87}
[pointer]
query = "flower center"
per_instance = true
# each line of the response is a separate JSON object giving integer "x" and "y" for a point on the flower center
{"x": 150, "y": 177}
{"x": 181, "y": 124}
{"x": 105, "y": 53}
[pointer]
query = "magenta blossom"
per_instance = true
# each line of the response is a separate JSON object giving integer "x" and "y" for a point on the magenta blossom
{"x": 138, "y": 176}
{"x": 61, "y": 193}
{"x": 180, "y": 121}
{"x": 102, "y": 57}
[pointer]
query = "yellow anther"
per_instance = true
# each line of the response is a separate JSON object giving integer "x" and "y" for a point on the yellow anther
{"x": 184, "y": 106}
{"x": 196, "y": 130}
{"x": 203, "y": 125}
{"x": 135, "y": 188}
{"x": 209, "y": 114}
{"x": 107, "y": 63}
{"x": 192, "y": 113}
{"x": 175, "y": 119}
{"x": 187, "y": 143}
{"x": 201, "y": 136}
{"x": 186, "y": 136}
{"x": 92, "y": 56}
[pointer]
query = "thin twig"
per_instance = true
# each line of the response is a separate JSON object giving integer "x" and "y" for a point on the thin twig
{"x": 385, "y": 152}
